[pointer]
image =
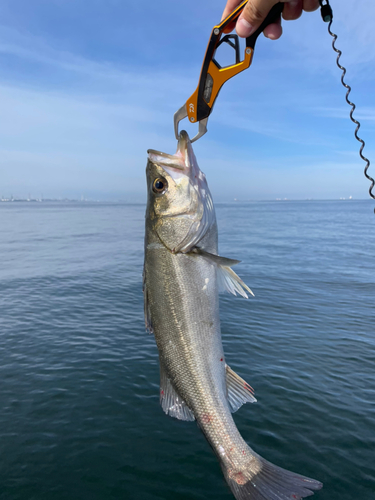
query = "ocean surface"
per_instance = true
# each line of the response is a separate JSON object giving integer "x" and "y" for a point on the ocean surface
{"x": 79, "y": 380}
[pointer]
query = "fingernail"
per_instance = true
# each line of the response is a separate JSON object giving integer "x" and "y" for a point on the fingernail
{"x": 244, "y": 28}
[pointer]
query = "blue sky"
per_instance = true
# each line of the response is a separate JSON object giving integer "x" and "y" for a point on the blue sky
{"x": 87, "y": 87}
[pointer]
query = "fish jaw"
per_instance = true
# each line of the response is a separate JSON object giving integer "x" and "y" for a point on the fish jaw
{"x": 182, "y": 163}
{"x": 184, "y": 214}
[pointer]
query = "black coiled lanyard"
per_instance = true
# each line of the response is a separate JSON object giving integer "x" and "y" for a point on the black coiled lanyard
{"x": 327, "y": 15}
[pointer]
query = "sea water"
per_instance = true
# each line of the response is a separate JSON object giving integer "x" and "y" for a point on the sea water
{"x": 79, "y": 381}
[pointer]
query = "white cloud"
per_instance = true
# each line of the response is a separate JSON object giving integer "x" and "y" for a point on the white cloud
{"x": 74, "y": 121}
{"x": 362, "y": 113}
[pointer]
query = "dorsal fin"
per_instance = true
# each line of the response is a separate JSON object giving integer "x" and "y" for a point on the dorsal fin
{"x": 170, "y": 401}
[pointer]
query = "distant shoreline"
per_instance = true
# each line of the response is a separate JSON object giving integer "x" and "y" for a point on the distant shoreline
{"x": 128, "y": 202}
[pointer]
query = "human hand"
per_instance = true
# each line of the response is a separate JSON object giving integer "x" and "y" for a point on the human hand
{"x": 255, "y": 12}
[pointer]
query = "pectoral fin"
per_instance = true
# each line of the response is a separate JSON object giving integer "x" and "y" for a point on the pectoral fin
{"x": 227, "y": 278}
{"x": 239, "y": 391}
{"x": 229, "y": 281}
{"x": 170, "y": 401}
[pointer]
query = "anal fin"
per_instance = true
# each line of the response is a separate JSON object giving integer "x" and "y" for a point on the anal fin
{"x": 172, "y": 404}
{"x": 239, "y": 391}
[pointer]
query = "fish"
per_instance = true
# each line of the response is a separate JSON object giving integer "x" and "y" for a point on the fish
{"x": 183, "y": 274}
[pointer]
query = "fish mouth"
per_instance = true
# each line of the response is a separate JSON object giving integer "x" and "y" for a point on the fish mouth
{"x": 178, "y": 161}
{"x": 183, "y": 141}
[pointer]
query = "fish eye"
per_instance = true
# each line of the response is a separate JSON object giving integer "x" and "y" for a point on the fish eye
{"x": 160, "y": 185}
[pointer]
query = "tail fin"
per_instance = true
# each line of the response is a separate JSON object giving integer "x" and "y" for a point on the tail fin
{"x": 272, "y": 483}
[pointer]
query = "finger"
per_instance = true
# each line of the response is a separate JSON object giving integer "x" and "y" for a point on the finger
{"x": 230, "y": 6}
{"x": 310, "y": 5}
{"x": 273, "y": 31}
{"x": 292, "y": 10}
{"x": 254, "y": 13}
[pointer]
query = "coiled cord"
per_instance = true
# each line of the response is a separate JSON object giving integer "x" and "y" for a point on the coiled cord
{"x": 327, "y": 16}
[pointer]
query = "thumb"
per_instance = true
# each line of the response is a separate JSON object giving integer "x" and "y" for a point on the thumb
{"x": 254, "y": 13}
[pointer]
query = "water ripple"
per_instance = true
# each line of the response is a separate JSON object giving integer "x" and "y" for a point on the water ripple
{"x": 80, "y": 416}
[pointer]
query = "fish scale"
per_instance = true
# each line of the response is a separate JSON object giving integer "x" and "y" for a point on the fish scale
{"x": 182, "y": 275}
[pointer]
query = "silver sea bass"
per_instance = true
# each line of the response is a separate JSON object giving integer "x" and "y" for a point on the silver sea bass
{"x": 182, "y": 277}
